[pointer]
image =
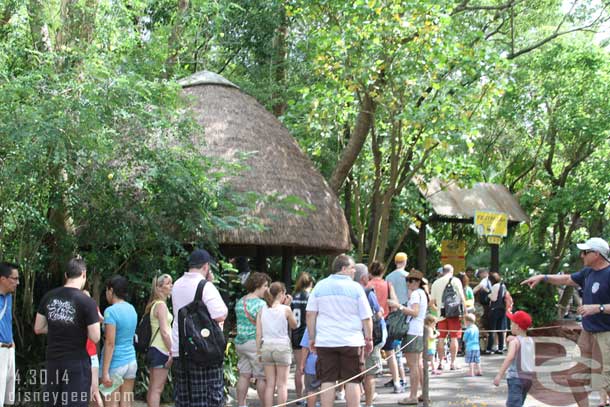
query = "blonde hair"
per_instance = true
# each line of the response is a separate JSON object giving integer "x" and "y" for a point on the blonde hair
{"x": 470, "y": 318}
{"x": 430, "y": 320}
{"x": 155, "y": 295}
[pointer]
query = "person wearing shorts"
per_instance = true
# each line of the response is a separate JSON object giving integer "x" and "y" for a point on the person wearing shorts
{"x": 594, "y": 340}
{"x": 311, "y": 381}
{"x": 119, "y": 355}
{"x": 158, "y": 357}
{"x": 447, "y": 327}
{"x": 338, "y": 313}
{"x": 246, "y": 311}
{"x": 273, "y": 342}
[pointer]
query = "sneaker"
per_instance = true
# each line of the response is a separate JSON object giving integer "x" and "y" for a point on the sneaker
{"x": 398, "y": 389}
{"x": 389, "y": 384}
{"x": 340, "y": 396}
{"x": 499, "y": 352}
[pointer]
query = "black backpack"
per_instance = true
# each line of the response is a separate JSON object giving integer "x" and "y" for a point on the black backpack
{"x": 201, "y": 339}
{"x": 377, "y": 330}
{"x": 452, "y": 303}
{"x": 143, "y": 336}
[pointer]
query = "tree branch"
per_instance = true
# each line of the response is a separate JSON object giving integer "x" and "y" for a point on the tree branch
{"x": 598, "y": 20}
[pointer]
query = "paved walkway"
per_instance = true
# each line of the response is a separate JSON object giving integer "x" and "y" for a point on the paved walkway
{"x": 454, "y": 388}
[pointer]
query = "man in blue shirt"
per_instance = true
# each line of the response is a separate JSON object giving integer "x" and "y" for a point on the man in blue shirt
{"x": 9, "y": 280}
{"x": 594, "y": 340}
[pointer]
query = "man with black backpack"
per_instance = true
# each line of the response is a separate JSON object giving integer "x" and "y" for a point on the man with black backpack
{"x": 448, "y": 295}
{"x": 197, "y": 341}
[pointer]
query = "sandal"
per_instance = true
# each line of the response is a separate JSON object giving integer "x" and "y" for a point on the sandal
{"x": 408, "y": 402}
{"x": 421, "y": 399}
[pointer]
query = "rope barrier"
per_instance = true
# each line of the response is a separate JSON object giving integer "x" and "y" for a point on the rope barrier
{"x": 500, "y": 330}
{"x": 343, "y": 382}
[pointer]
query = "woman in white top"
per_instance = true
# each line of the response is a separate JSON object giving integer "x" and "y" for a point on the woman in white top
{"x": 158, "y": 358}
{"x": 416, "y": 313}
{"x": 273, "y": 343}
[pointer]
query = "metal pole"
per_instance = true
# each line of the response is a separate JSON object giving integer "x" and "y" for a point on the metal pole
{"x": 425, "y": 381}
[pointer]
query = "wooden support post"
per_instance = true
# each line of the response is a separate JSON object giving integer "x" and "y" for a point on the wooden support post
{"x": 261, "y": 259}
{"x": 495, "y": 258}
{"x": 287, "y": 260}
{"x": 422, "y": 252}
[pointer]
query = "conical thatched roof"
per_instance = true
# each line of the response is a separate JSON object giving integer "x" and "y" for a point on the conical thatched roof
{"x": 236, "y": 123}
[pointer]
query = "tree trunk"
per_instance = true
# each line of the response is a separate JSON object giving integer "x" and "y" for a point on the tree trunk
{"x": 174, "y": 42}
{"x": 38, "y": 27}
{"x": 279, "y": 65}
{"x": 350, "y": 153}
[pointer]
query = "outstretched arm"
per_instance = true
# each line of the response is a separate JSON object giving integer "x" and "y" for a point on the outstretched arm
{"x": 554, "y": 279}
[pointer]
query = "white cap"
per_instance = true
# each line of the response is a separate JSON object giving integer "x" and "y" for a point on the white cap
{"x": 597, "y": 244}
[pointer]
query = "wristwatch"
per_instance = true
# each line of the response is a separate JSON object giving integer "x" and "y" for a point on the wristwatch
{"x": 602, "y": 308}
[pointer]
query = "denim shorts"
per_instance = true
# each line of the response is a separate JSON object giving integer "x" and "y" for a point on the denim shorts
{"x": 517, "y": 391}
{"x": 127, "y": 371}
{"x": 312, "y": 384}
{"x": 155, "y": 359}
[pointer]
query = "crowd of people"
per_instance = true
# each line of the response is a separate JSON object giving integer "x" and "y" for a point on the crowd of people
{"x": 335, "y": 331}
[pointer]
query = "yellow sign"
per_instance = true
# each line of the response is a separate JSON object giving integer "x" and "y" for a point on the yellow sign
{"x": 494, "y": 239}
{"x": 454, "y": 252}
{"x": 491, "y": 223}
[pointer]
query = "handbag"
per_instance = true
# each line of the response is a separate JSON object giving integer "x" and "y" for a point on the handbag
{"x": 397, "y": 325}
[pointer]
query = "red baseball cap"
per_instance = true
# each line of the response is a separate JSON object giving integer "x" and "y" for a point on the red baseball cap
{"x": 521, "y": 318}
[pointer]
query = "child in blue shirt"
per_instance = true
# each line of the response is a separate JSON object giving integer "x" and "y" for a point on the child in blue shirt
{"x": 312, "y": 384}
{"x": 473, "y": 349}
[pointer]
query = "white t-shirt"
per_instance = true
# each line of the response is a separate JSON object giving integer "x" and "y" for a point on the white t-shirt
{"x": 183, "y": 294}
{"x": 416, "y": 324}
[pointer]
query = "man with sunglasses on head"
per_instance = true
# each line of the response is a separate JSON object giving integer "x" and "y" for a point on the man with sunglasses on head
{"x": 594, "y": 340}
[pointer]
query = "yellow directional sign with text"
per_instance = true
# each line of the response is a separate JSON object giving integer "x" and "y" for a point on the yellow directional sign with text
{"x": 454, "y": 252}
{"x": 491, "y": 223}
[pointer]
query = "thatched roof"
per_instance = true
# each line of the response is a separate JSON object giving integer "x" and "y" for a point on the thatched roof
{"x": 236, "y": 123}
{"x": 450, "y": 202}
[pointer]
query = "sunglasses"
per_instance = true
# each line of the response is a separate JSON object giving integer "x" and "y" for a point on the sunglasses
{"x": 585, "y": 252}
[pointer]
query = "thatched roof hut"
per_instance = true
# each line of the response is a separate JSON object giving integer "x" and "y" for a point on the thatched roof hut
{"x": 235, "y": 123}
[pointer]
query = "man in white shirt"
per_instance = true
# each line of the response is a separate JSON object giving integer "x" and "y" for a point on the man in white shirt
{"x": 338, "y": 313}
{"x": 450, "y": 326}
{"x": 197, "y": 386}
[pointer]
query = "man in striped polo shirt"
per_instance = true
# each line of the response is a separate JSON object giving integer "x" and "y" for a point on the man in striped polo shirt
{"x": 340, "y": 330}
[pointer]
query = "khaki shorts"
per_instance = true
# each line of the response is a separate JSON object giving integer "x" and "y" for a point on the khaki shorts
{"x": 596, "y": 346}
{"x": 340, "y": 363}
{"x": 374, "y": 359}
{"x": 249, "y": 363}
{"x": 276, "y": 354}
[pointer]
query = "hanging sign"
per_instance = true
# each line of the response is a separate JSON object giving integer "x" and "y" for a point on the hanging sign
{"x": 491, "y": 223}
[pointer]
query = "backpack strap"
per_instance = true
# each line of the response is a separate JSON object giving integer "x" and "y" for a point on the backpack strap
{"x": 158, "y": 324}
{"x": 199, "y": 292}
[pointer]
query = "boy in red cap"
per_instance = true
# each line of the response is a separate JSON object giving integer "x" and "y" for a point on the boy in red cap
{"x": 520, "y": 360}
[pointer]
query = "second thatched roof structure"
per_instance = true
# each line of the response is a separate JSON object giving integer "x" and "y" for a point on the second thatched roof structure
{"x": 236, "y": 124}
